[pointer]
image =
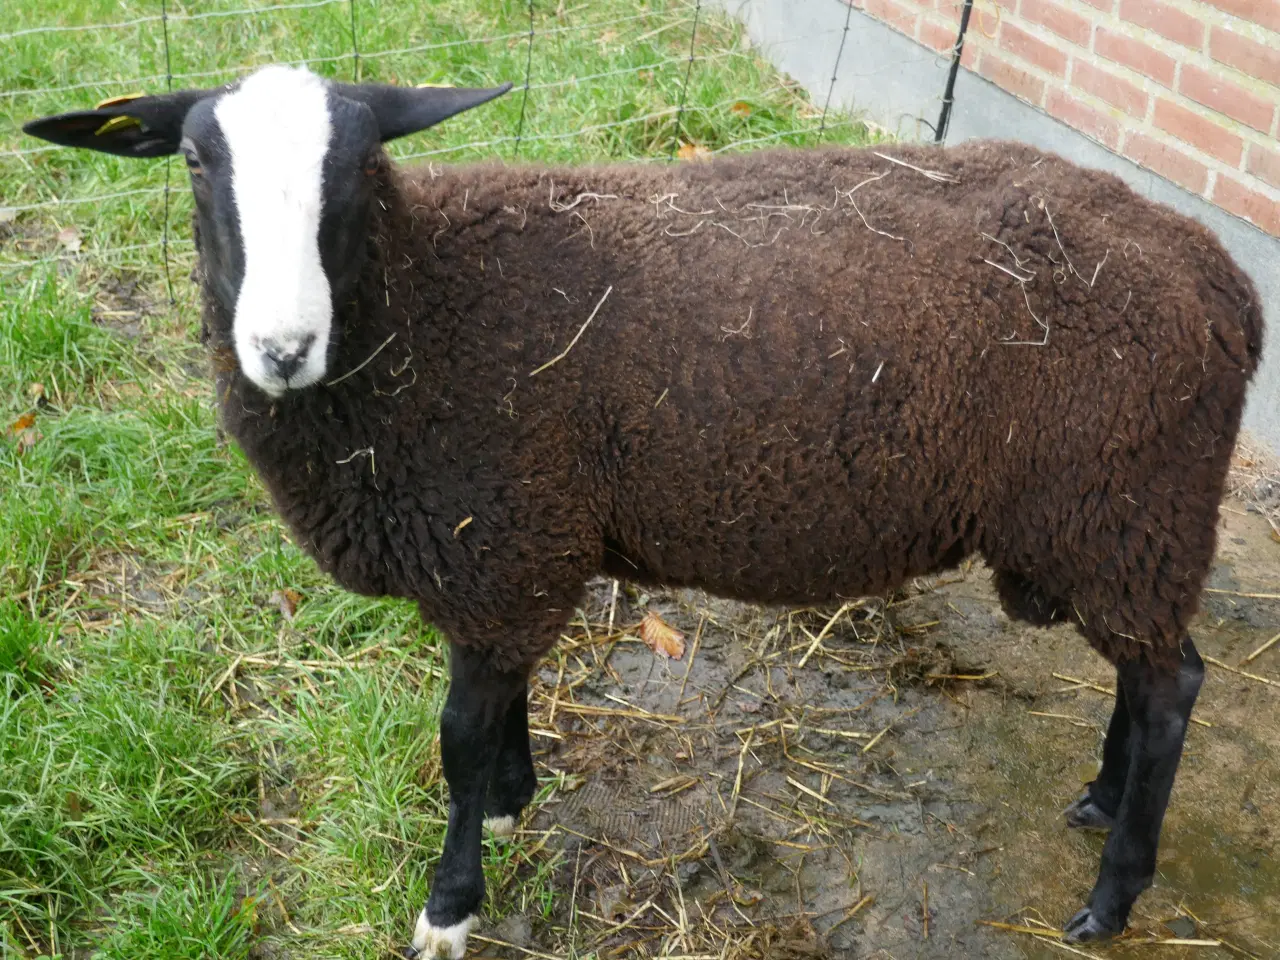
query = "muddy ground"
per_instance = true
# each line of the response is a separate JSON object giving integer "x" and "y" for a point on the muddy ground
{"x": 889, "y": 790}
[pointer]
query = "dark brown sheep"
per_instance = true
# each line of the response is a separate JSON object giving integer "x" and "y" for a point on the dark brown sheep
{"x": 789, "y": 377}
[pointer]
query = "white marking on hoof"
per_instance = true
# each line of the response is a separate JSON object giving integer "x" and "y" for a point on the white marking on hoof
{"x": 441, "y": 943}
{"x": 500, "y": 826}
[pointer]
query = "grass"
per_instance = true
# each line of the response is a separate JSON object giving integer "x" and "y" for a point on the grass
{"x": 187, "y": 772}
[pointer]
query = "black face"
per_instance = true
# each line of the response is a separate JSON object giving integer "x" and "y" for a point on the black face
{"x": 351, "y": 172}
{"x": 217, "y": 228}
{"x": 284, "y": 167}
{"x": 352, "y": 162}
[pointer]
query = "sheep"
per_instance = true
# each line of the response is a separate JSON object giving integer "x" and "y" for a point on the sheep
{"x": 795, "y": 376}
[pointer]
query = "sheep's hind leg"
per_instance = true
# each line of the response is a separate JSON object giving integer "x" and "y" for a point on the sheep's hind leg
{"x": 1024, "y": 599}
{"x": 1096, "y": 808}
{"x": 514, "y": 782}
{"x": 471, "y": 734}
{"x": 1159, "y": 703}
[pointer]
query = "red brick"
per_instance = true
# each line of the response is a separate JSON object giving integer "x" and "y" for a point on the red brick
{"x": 894, "y": 14}
{"x": 982, "y": 21}
{"x": 1136, "y": 55}
{"x": 969, "y": 55}
{"x": 1247, "y": 56}
{"x": 1254, "y": 205}
{"x": 1083, "y": 118}
{"x": 1265, "y": 13}
{"x": 1053, "y": 16}
{"x": 951, "y": 10}
{"x": 1165, "y": 20}
{"x": 1013, "y": 79}
{"x": 1203, "y": 134}
{"x": 1119, "y": 93}
{"x": 939, "y": 37}
{"x": 1225, "y": 97}
{"x": 1265, "y": 164}
{"x": 1032, "y": 49}
{"x": 1169, "y": 162}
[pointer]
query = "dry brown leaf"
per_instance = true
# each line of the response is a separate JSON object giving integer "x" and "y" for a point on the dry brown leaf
{"x": 613, "y": 902}
{"x": 572, "y": 783}
{"x": 693, "y": 151}
{"x": 69, "y": 237}
{"x": 660, "y": 637}
{"x": 741, "y": 109}
{"x": 24, "y": 422}
{"x": 249, "y": 910}
{"x": 746, "y": 896}
{"x": 28, "y": 439}
{"x": 287, "y": 600}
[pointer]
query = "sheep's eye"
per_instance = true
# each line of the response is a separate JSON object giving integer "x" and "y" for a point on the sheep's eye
{"x": 371, "y": 165}
{"x": 193, "y": 164}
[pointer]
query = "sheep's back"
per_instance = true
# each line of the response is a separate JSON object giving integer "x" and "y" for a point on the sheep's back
{"x": 822, "y": 371}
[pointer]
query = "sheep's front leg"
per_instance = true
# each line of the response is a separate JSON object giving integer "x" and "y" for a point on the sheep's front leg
{"x": 514, "y": 781}
{"x": 471, "y": 736}
{"x": 1096, "y": 808}
{"x": 1159, "y": 703}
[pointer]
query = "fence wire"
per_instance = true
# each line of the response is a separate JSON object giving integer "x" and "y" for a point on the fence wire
{"x": 162, "y": 17}
{"x": 63, "y": 197}
{"x": 243, "y": 68}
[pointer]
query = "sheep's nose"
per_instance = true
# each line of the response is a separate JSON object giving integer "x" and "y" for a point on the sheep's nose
{"x": 285, "y": 358}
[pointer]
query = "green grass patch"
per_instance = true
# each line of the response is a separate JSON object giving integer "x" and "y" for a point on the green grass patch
{"x": 186, "y": 771}
{"x": 22, "y": 639}
{"x": 194, "y": 919}
{"x": 112, "y": 774}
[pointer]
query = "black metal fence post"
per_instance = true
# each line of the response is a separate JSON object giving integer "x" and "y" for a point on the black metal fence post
{"x": 948, "y": 97}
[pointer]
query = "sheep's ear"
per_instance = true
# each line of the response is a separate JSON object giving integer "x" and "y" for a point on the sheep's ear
{"x": 133, "y": 126}
{"x": 404, "y": 110}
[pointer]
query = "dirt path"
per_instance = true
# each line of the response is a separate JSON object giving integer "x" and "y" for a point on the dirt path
{"x": 852, "y": 798}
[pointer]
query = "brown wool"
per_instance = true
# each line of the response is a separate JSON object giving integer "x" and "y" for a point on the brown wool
{"x": 815, "y": 375}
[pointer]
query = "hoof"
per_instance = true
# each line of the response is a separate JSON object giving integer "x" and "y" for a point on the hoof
{"x": 1085, "y": 814}
{"x": 500, "y": 826}
{"x": 439, "y": 943}
{"x": 1086, "y": 927}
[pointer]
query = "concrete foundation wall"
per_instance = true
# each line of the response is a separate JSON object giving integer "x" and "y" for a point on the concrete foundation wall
{"x": 898, "y": 83}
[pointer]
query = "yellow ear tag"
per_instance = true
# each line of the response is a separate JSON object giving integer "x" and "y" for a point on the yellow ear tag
{"x": 123, "y": 98}
{"x": 117, "y": 123}
{"x": 443, "y": 86}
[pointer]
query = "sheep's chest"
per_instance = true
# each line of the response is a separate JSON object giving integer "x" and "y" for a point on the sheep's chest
{"x": 360, "y": 502}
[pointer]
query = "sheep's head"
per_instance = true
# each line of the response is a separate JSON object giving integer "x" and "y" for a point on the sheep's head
{"x": 282, "y": 166}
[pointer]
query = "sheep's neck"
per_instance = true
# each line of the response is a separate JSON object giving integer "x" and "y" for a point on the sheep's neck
{"x": 328, "y": 444}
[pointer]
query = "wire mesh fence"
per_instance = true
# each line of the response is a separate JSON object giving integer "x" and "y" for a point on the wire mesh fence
{"x": 594, "y": 79}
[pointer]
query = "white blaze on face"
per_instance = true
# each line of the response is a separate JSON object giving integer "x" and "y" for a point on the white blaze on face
{"x": 277, "y": 128}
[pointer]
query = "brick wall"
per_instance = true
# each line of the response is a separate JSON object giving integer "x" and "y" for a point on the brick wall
{"x": 1187, "y": 88}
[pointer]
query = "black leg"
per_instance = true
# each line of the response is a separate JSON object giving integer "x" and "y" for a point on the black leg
{"x": 471, "y": 734}
{"x": 1097, "y": 806}
{"x": 514, "y": 782}
{"x": 1159, "y": 703}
